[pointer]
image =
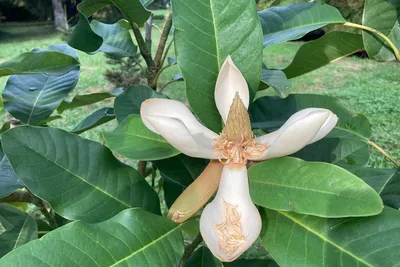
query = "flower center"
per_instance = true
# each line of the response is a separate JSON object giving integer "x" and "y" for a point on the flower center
{"x": 238, "y": 151}
{"x": 236, "y": 141}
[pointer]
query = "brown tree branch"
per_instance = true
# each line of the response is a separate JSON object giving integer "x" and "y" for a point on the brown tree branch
{"x": 163, "y": 40}
{"x": 144, "y": 51}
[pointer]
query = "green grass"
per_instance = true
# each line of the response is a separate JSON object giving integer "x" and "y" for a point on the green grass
{"x": 364, "y": 86}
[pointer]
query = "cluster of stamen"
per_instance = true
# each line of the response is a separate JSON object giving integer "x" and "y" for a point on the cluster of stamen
{"x": 238, "y": 151}
{"x": 236, "y": 142}
{"x": 230, "y": 230}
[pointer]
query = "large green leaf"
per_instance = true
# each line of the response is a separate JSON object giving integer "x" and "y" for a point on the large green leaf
{"x": 203, "y": 39}
{"x": 32, "y": 98}
{"x": 80, "y": 179}
{"x": 133, "y": 140}
{"x": 134, "y": 237}
{"x": 178, "y": 173}
{"x": 39, "y": 61}
{"x": 83, "y": 100}
{"x": 9, "y": 181}
{"x": 301, "y": 240}
{"x": 130, "y": 100}
{"x": 83, "y": 37}
{"x": 329, "y": 48}
{"x": 95, "y": 119}
{"x": 313, "y": 188}
{"x": 386, "y": 182}
{"x": 381, "y": 15}
{"x": 112, "y": 39}
{"x": 203, "y": 257}
{"x": 277, "y": 80}
{"x": 117, "y": 40}
{"x": 21, "y": 228}
{"x": 132, "y": 10}
{"x": 285, "y": 23}
{"x": 346, "y": 146}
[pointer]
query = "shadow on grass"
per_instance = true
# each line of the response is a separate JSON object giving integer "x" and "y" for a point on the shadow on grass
{"x": 19, "y": 32}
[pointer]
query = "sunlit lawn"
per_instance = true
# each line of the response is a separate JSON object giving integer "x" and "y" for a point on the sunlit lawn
{"x": 364, "y": 85}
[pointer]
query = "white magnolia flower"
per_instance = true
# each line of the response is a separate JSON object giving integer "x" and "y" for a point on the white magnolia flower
{"x": 230, "y": 223}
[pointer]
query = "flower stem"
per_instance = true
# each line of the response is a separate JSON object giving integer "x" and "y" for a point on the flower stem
{"x": 384, "y": 37}
{"x": 383, "y": 152}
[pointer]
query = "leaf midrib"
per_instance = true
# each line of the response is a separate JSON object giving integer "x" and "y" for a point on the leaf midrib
{"x": 304, "y": 189}
{"x": 325, "y": 239}
{"x": 146, "y": 246}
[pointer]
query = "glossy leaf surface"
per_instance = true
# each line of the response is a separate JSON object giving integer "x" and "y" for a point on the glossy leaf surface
{"x": 131, "y": 99}
{"x": 333, "y": 46}
{"x": 133, "y": 140}
{"x": 203, "y": 40}
{"x": 83, "y": 100}
{"x": 277, "y": 80}
{"x": 285, "y": 23}
{"x": 9, "y": 181}
{"x": 95, "y": 119}
{"x": 133, "y": 10}
{"x": 371, "y": 241}
{"x": 33, "y": 98}
{"x": 133, "y": 237}
{"x": 49, "y": 62}
{"x": 381, "y": 15}
{"x": 315, "y": 188}
{"x": 79, "y": 178}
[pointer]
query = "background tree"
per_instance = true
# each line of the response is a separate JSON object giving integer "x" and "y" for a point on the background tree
{"x": 60, "y": 20}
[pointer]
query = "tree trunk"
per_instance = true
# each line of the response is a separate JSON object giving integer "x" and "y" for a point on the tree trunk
{"x": 60, "y": 21}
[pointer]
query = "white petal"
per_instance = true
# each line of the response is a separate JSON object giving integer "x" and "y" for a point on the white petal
{"x": 233, "y": 197}
{"x": 230, "y": 80}
{"x": 179, "y": 136}
{"x": 173, "y": 109}
{"x": 302, "y": 128}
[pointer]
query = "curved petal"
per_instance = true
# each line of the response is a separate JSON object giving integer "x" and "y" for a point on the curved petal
{"x": 179, "y": 136}
{"x": 302, "y": 128}
{"x": 231, "y": 223}
{"x": 197, "y": 193}
{"x": 173, "y": 109}
{"x": 230, "y": 80}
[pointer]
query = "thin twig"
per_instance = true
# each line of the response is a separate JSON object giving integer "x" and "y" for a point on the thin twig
{"x": 384, "y": 37}
{"x": 28, "y": 197}
{"x": 190, "y": 249}
{"x": 166, "y": 52}
{"x": 383, "y": 152}
{"x": 165, "y": 85}
{"x": 163, "y": 40}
